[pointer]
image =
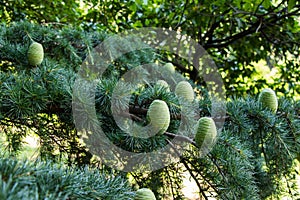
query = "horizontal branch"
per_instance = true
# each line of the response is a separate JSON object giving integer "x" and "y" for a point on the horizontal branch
{"x": 220, "y": 43}
{"x": 182, "y": 138}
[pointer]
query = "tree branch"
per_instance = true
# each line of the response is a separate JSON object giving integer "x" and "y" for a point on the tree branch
{"x": 209, "y": 33}
{"x": 190, "y": 171}
{"x": 219, "y": 43}
{"x": 182, "y": 13}
{"x": 182, "y": 138}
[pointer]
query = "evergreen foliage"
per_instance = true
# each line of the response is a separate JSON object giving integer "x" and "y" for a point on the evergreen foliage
{"x": 254, "y": 156}
{"x": 39, "y": 98}
{"x": 24, "y": 180}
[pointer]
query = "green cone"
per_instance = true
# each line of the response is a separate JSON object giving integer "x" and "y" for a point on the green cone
{"x": 185, "y": 90}
{"x": 159, "y": 116}
{"x": 164, "y": 84}
{"x": 205, "y": 131}
{"x": 35, "y": 54}
{"x": 170, "y": 67}
{"x": 268, "y": 99}
{"x": 144, "y": 194}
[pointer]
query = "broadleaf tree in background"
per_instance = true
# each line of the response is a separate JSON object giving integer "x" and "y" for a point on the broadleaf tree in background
{"x": 241, "y": 32}
{"x": 255, "y": 153}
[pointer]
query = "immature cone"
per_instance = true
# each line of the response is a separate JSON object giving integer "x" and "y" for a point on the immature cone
{"x": 35, "y": 54}
{"x": 159, "y": 116}
{"x": 170, "y": 67}
{"x": 268, "y": 99}
{"x": 206, "y": 131}
{"x": 185, "y": 90}
{"x": 164, "y": 84}
{"x": 144, "y": 194}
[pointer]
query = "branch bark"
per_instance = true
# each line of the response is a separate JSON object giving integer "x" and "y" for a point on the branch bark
{"x": 261, "y": 20}
{"x": 190, "y": 171}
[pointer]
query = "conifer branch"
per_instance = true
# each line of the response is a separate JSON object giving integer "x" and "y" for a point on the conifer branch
{"x": 143, "y": 111}
{"x": 182, "y": 138}
{"x": 190, "y": 171}
{"x": 218, "y": 167}
{"x": 233, "y": 147}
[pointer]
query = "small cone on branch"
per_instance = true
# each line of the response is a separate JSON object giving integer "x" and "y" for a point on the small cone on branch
{"x": 185, "y": 90}
{"x": 206, "y": 131}
{"x": 144, "y": 194}
{"x": 159, "y": 116}
{"x": 35, "y": 54}
{"x": 164, "y": 84}
{"x": 268, "y": 99}
{"x": 170, "y": 67}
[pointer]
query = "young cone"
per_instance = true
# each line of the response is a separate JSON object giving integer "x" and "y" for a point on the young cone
{"x": 159, "y": 116}
{"x": 144, "y": 194}
{"x": 268, "y": 99}
{"x": 185, "y": 90}
{"x": 164, "y": 84}
{"x": 206, "y": 131}
{"x": 35, "y": 54}
{"x": 170, "y": 67}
